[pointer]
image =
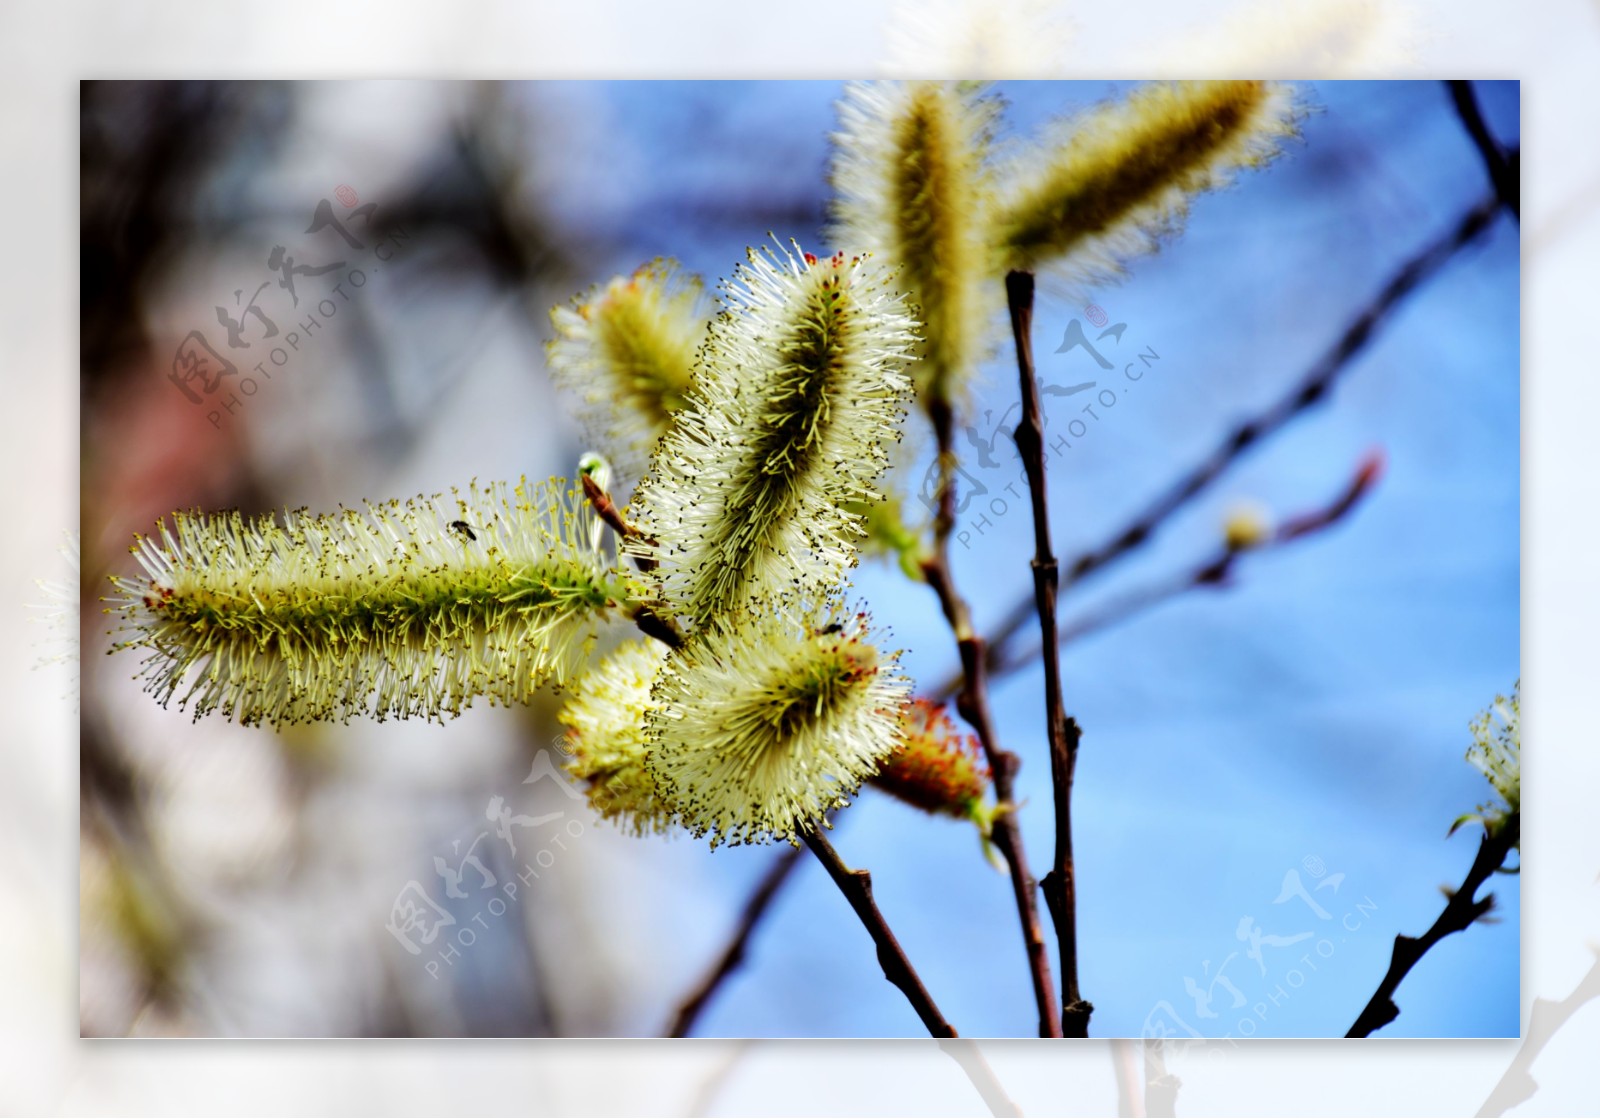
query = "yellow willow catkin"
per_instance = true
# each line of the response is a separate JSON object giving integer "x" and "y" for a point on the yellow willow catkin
{"x": 399, "y": 610}
{"x": 605, "y": 718}
{"x": 757, "y": 728}
{"x": 756, "y": 492}
{"x": 1120, "y": 177}
{"x": 626, "y": 349}
{"x": 1496, "y": 752}
{"x": 912, "y": 184}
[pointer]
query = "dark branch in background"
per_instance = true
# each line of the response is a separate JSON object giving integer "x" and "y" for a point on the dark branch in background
{"x": 965, "y": 1053}
{"x": 1310, "y": 389}
{"x": 973, "y": 705}
{"x": 856, "y": 886}
{"x": 1517, "y": 1084}
{"x": 1463, "y": 908}
{"x": 1060, "y": 884}
{"x": 146, "y": 147}
{"x": 1502, "y": 165}
{"x": 733, "y": 955}
{"x": 1214, "y": 572}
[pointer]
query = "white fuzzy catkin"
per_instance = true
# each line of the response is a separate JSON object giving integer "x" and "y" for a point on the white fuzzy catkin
{"x": 912, "y": 184}
{"x": 626, "y": 349}
{"x": 605, "y": 717}
{"x": 1497, "y": 747}
{"x": 1110, "y": 183}
{"x": 398, "y": 610}
{"x": 754, "y": 493}
{"x": 757, "y": 730}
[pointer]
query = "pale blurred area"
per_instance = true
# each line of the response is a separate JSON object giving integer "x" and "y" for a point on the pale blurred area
{"x": 275, "y": 833}
{"x": 257, "y": 884}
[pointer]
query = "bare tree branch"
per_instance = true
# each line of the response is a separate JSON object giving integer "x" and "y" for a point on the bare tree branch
{"x": 856, "y": 886}
{"x": 1309, "y": 390}
{"x": 972, "y": 703}
{"x": 1463, "y": 908}
{"x": 1501, "y": 164}
{"x": 1214, "y": 572}
{"x": 733, "y": 955}
{"x": 1060, "y": 884}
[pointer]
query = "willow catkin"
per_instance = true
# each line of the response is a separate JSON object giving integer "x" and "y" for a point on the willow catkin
{"x": 397, "y": 610}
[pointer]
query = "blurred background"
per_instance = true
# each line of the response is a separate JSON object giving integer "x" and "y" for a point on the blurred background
{"x": 49, "y": 48}
{"x": 1307, "y": 719}
{"x": 240, "y": 882}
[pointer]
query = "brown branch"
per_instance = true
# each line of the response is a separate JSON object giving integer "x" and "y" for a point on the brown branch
{"x": 655, "y": 625}
{"x": 1497, "y": 160}
{"x": 972, "y": 703}
{"x": 1463, "y": 908}
{"x": 651, "y": 624}
{"x": 1214, "y": 572}
{"x": 605, "y": 508}
{"x": 856, "y": 886}
{"x": 1309, "y": 390}
{"x": 607, "y": 511}
{"x": 733, "y": 955}
{"x": 1060, "y": 884}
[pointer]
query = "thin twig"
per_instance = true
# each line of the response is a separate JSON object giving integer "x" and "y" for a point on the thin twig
{"x": 1214, "y": 572}
{"x": 651, "y": 624}
{"x": 605, "y": 508}
{"x": 1309, "y": 390}
{"x": 733, "y": 955}
{"x": 972, "y": 703}
{"x": 856, "y": 886}
{"x": 1500, "y": 163}
{"x": 1463, "y": 908}
{"x": 607, "y": 511}
{"x": 1060, "y": 884}
{"x": 658, "y": 626}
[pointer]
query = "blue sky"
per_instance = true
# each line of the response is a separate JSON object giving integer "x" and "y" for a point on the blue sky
{"x": 1313, "y": 715}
